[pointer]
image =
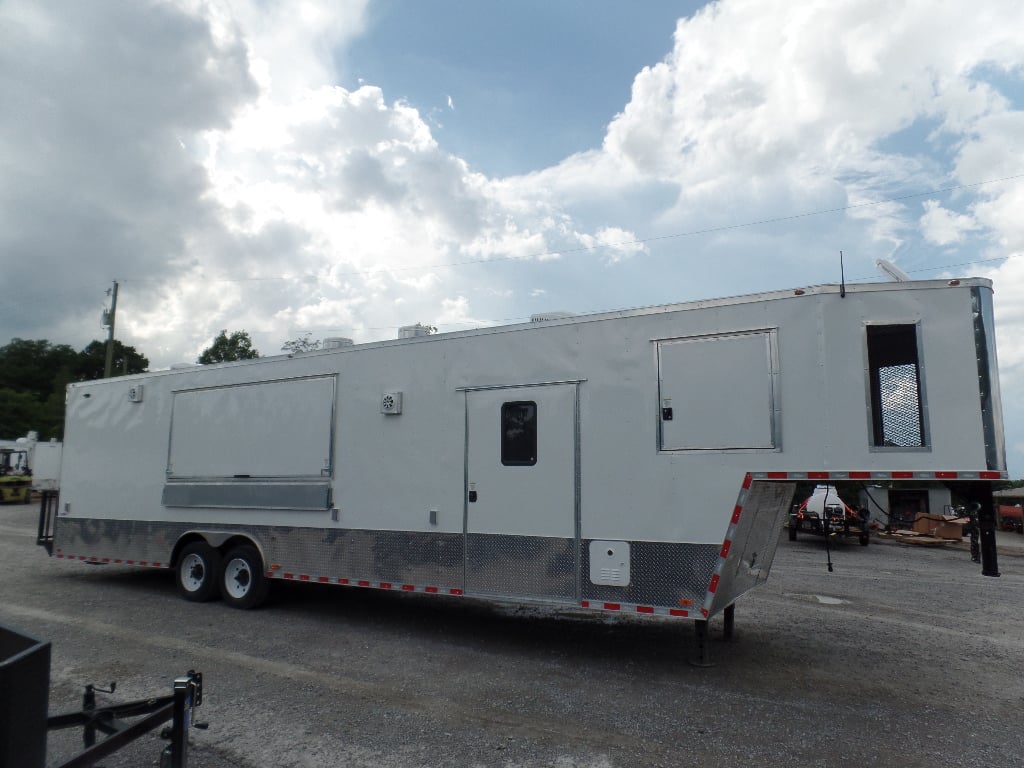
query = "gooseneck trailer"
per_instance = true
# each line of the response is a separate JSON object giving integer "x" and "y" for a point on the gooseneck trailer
{"x": 639, "y": 461}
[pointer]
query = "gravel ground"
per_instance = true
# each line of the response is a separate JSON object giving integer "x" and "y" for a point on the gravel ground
{"x": 903, "y": 656}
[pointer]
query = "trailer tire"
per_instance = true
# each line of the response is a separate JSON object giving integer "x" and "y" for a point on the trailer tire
{"x": 198, "y": 572}
{"x": 865, "y": 539}
{"x": 243, "y": 583}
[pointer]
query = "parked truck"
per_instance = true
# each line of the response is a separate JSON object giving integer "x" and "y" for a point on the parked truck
{"x": 639, "y": 461}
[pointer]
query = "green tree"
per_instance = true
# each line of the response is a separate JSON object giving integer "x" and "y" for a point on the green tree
{"x": 19, "y": 413}
{"x": 304, "y": 343}
{"x": 34, "y": 366}
{"x": 237, "y": 346}
{"x": 92, "y": 361}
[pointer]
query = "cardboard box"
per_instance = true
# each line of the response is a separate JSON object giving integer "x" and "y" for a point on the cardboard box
{"x": 950, "y": 529}
{"x": 940, "y": 526}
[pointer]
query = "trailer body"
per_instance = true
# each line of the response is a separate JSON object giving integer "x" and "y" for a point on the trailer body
{"x": 638, "y": 461}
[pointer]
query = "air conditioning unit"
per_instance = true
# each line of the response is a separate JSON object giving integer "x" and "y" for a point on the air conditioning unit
{"x": 391, "y": 402}
{"x": 337, "y": 342}
{"x": 135, "y": 394}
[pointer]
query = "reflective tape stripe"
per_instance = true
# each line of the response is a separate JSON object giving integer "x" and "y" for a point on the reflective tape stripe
{"x": 896, "y": 474}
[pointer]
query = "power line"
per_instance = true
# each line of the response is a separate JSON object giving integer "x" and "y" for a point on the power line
{"x": 638, "y": 241}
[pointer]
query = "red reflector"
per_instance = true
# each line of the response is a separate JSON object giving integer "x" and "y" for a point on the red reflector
{"x": 585, "y": 603}
{"x": 725, "y": 548}
{"x": 747, "y": 480}
{"x": 271, "y": 574}
{"x": 408, "y": 588}
{"x": 303, "y": 577}
{"x": 385, "y": 585}
{"x": 116, "y": 561}
{"x": 323, "y": 579}
{"x": 736, "y": 515}
{"x": 143, "y": 562}
{"x": 817, "y": 475}
{"x": 156, "y": 565}
{"x": 343, "y": 581}
{"x": 106, "y": 559}
{"x": 130, "y": 562}
{"x": 713, "y": 587}
{"x": 860, "y": 475}
{"x": 990, "y": 475}
{"x": 364, "y": 583}
{"x": 677, "y": 612}
{"x": 455, "y": 591}
{"x": 947, "y": 475}
{"x": 704, "y": 612}
{"x": 644, "y": 609}
{"x": 289, "y": 575}
{"x": 902, "y": 475}
{"x": 431, "y": 590}
{"x": 612, "y": 607}
{"x": 778, "y": 475}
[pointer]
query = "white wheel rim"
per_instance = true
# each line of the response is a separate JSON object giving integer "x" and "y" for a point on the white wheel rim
{"x": 237, "y": 578}
{"x": 193, "y": 572}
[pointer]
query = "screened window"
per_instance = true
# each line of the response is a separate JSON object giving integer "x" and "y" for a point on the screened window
{"x": 897, "y": 411}
{"x": 519, "y": 434}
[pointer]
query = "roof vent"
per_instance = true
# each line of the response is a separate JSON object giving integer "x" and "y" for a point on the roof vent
{"x": 543, "y": 317}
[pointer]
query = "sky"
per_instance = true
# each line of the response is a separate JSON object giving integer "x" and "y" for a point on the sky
{"x": 345, "y": 168}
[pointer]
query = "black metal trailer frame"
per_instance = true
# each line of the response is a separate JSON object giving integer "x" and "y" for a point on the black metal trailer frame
{"x": 24, "y": 692}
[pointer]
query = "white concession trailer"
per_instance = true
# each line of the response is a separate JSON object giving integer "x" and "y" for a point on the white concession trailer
{"x": 639, "y": 461}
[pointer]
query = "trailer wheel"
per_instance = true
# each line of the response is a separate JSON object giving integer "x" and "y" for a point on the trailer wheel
{"x": 865, "y": 539}
{"x": 243, "y": 583}
{"x": 198, "y": 572}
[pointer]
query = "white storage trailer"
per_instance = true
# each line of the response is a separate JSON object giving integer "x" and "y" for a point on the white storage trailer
{"x": 639, "y": 461}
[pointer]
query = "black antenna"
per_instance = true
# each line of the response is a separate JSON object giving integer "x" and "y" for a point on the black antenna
{"x": 842, "y": 278}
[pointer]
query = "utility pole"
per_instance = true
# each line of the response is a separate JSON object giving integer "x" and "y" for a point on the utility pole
{"x": 108, "y": 320}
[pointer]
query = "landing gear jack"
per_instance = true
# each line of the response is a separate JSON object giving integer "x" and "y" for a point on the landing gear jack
{"x": 701, "y": 650}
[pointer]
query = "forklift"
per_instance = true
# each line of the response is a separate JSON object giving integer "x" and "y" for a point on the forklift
{"x": 15, "y": 476}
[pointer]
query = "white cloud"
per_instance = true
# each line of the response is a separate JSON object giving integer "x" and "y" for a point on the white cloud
{"x": 941, "y": 226}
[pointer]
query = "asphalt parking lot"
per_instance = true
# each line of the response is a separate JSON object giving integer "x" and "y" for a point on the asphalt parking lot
{"x": 902, "y": 656}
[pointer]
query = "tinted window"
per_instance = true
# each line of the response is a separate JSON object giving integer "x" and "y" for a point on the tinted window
{"x": 519, "y": 434}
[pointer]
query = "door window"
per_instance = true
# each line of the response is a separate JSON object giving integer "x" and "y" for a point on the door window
{"x": 519, "y": 434}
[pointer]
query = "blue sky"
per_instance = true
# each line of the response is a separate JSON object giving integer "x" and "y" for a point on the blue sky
{"x": 530, "y": 82}
{"x": 348, "y": 167}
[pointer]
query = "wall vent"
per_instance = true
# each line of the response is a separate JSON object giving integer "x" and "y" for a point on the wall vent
{"x": 391, "y": 402}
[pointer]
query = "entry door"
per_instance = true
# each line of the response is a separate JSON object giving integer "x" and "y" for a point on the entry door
{"x": 521, "y": 512}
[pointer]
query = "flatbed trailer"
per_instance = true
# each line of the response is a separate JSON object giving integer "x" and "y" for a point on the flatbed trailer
{"x": 641, "y": 461}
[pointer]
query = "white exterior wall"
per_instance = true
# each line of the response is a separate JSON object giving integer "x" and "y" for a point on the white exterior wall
{"x": 391, "y": 471}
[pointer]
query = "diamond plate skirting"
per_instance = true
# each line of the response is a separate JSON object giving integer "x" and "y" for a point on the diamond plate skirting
{"x": 521, "y": 566}
{"x": 487, "y": 565}
{"x": 663, "y": 574}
